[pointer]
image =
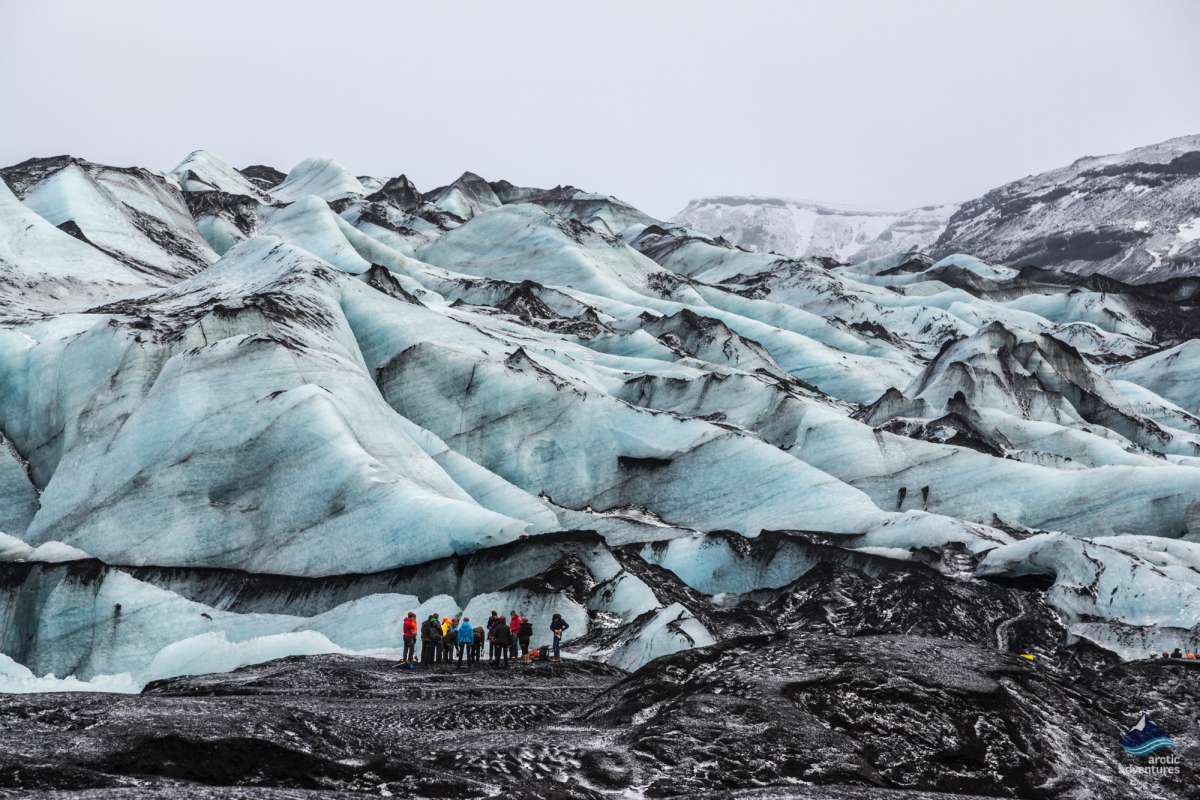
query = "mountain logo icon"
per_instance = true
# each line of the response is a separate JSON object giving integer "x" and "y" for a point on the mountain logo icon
{"x": 1145, "y": 737}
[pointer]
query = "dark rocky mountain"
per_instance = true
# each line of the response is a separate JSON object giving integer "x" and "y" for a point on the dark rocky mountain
{"x": 1132, "y": 216}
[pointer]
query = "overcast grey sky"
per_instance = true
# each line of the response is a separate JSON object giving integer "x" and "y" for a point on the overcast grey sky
{"x": 882, "y": 105}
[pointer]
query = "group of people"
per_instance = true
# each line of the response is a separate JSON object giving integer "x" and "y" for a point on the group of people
{"x": 1190, "y": 655}
{"x": 455, "y": 640}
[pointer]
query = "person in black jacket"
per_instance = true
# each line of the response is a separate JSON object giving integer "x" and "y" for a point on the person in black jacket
{"x": 491, "y": 640}
{"x": 524, "y": 634}
{"x": 431, "y": 639}
{"x": 477, "y": 644}
{"x": 502, "y": 638}
{"x": 557, "y": 626}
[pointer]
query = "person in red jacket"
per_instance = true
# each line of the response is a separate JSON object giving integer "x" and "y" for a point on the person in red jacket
{"x": 410, "y": 637}
{"x": 514, "y": 627}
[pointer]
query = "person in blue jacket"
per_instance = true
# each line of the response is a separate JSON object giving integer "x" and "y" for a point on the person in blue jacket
{"x": 465, "y": 638}
{"x": 557, "y": 626}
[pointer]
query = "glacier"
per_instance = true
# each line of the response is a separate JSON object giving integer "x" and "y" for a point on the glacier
{"x": 249, "y": 414}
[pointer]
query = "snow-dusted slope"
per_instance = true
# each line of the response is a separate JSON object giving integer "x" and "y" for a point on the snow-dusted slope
{"x": 603, "y": 212}
{"x": 322, "y": 177}
{"x": 1173, "y": 374}
{"x": 466, "y": 197}
{"x": 132, "y": 215}
{"x": 39, "y": 262}
{"x": 202, "y": 171}
{"x": 1130, "y": 594}
{"x": 249, "y": 372}
{"x": 801, "y": 228}
{"x": 1130, "y": 215}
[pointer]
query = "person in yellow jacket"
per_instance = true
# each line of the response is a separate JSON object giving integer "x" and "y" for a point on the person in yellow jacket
{"x": 448, "y": 633}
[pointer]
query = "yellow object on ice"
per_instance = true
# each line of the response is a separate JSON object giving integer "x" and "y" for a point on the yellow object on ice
{"x": 1028, "y": 656}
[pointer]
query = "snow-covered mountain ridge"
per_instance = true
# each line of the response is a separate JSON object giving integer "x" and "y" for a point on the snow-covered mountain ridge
{"x": 1134, "y": 216}
{"x": 804, "y": 228}
{"x": 247, "y": 410}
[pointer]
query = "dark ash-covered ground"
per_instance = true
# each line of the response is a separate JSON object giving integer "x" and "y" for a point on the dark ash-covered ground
{"x": 864, "y": 677}
{"x": 792, "y": 714}
{"x": 326, "y": 723}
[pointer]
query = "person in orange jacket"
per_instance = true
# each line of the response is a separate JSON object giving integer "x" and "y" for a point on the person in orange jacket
{"x": 410, "y": 637}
